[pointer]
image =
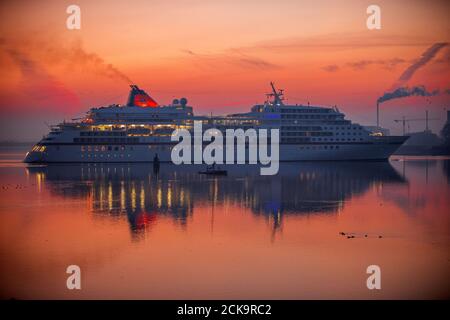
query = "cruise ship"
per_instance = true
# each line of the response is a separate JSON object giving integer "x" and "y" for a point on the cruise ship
{"x": 140, "y": 131}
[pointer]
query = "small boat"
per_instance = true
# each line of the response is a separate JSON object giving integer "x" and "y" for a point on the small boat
{"x": 213, "y": 170}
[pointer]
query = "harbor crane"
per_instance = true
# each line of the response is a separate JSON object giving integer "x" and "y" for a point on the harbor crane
{"x": 405, "y": 121}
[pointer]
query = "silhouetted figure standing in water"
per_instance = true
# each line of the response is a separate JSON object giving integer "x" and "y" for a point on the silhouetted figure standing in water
{"x": 156, "y": 164}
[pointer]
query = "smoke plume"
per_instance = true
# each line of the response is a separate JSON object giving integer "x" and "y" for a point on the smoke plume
{"x": 79, "y": 56}
{"x": 407, "y": 92}
{"x": 47, "y": 54}
{"x": 398, "y": 90}
{"x": 429, "y": 54}
{"x": 38, "y": 59}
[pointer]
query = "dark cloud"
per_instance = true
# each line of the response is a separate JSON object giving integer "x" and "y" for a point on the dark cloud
{"x": 391, "y": 64}
{"x": 232, "y": 57}
{"x": 445, "y": 58}
{"x": 339, "y": 41}
{"x": 363, "y": 64}
{"x": 429, "y": 54}
{"x": 331, "y": 68}
{"x": 386, "y": 64}
{"x": 253, "y": 62}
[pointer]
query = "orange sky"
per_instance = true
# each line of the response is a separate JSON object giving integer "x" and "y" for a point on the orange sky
{"x": 219, "y": 54}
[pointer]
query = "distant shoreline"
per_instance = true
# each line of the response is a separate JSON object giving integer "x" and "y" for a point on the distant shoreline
{"x": 16, "y": 143}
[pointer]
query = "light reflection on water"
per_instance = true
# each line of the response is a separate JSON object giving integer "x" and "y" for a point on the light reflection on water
{"x": 138, "y": 233}
{"x": 135, "y": 191}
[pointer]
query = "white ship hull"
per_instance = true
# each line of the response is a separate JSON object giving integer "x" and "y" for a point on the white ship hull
{"x": 288, "y": 152}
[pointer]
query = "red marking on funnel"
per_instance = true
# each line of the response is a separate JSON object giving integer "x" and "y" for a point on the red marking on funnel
{"x": 140, "y": 98}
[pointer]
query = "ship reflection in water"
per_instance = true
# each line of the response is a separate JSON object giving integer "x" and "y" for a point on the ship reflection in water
{"x": 140, "y": 194}
{"x": 172, "y": 233}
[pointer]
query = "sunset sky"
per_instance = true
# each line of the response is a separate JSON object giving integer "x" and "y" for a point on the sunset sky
{"x": 220, "y": 55}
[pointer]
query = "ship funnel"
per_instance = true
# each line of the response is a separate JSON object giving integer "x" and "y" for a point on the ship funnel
{"x": 140, "y": 98}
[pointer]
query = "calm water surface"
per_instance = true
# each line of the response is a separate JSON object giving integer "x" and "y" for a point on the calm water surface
{"x": 175, "y": 234}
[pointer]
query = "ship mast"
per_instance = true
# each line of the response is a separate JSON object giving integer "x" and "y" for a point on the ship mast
{"x": 277, "y": 95}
